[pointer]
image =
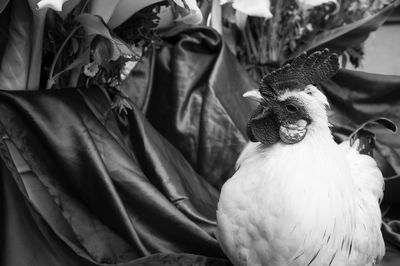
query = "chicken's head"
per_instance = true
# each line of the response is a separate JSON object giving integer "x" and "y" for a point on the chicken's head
{"x": 289, "y": 101}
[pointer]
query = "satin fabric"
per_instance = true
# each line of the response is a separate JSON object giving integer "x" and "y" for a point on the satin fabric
{"x": 197, "y": 102}
{"x": 96, "y": 189}
{"x": 83, "y": 185}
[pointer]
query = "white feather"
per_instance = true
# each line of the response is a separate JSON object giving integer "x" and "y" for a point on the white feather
{"x": 310, "y": 203}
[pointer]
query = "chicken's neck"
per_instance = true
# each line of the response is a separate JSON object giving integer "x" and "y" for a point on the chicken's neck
{"x": 318, "y": 129}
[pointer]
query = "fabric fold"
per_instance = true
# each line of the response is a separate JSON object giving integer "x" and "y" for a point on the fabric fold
{"x": 117, "y": 211}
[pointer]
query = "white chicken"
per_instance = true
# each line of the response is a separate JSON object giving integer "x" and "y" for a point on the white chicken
{"x": 297, "y": 197}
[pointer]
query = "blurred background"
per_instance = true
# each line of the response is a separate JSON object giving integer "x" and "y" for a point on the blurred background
{"x": 382, "y": 48}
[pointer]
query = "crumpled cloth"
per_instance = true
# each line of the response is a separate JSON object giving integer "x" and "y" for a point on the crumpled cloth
{"x": 83, "y": 185}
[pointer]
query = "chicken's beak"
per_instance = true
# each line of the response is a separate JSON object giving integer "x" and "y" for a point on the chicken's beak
{"x": 254, "y": 95}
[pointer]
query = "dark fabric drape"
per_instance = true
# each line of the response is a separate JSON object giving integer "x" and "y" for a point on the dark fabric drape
{"x": 93, "y": 189}
{"x": 83, "y": 185}
{"x": 197, "y": 102}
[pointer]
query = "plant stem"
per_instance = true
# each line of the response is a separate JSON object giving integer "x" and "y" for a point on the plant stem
{"x": 38, "y": 22}
{"x": 50, "y": 81}
{"x": 275, "y": 39}
{"x": 84, "y": 6}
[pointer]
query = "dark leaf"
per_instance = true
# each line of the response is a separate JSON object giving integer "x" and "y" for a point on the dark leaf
{"x": 80, "y": 61}
{"x": 37, "y": 34}
{"x": 366, "y": 138}
{"x": 93, "y": 25}
{"x": 15, "y": 62}
{"x": 387, "y": 123}
{"x": 383, "y": 121}
{"x": 3, "y": 4}
{"x": 4, "y": 26}
{"x": 102, "y": 49}
{"x": 366, "y": 141}
{"x": 75, "y": 45}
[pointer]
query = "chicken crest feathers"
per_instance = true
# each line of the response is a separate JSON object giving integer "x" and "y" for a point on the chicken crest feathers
{"x": 304, "y": 70}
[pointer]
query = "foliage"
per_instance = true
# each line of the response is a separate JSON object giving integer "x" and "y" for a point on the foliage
{"x": 140, "y": 29}
{"x": 261, "y": 45}
{"x": 15, "y": 62}
{"x": 3, "y": 4}
{"x": 82, "y": 47}
{"x": 61, "y": 48}
{"x": 79, "y": 48}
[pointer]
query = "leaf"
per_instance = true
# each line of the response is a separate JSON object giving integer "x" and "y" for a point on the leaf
{"x": 4, "y": 26}
{"x": 15, "y": 63}
{"x": 93, "y": 25}
{"x": 186, "y": 11}
{"x": 350, "y": 35}
{"x": 68, "y": 7}
{"x": 240, "y": 19}
{"x": 3, "y": 4}
{"x": 365, "y": 139}
{"x": 75, "y": 45}
{"x": 105, "y": 9}
{"x": 38, "y": 26}
{"x": 125, "y": 9}
{"x": 80, "y": 61}
{"x": 102, "y": 49}
{"x": 179, "y": 3}
{"x": 383, "y": 121}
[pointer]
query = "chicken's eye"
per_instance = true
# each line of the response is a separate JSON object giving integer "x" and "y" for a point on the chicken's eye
{"x": 291, "y": 108}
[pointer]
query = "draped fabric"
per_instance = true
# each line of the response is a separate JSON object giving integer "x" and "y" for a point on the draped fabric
{"x": 89, "y": 188}
{"x": 83, "y": 185}
{"x": 197, "y": 102}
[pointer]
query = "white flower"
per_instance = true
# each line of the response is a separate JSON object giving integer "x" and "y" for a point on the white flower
{"x": 115, "y": 12}
{"x": 127, "y": 68}
{"x": 53, "y": 4}
{"x": 91, "y": 69}
{"x": 194, "y": 16}
{"x": 255, "y": 8}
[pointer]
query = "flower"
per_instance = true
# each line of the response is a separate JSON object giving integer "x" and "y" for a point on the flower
{"x": 91, "y": 69}
{"x": 255, "y": 8}
{"x": 188, "y": 12}
{"x": 127, "y": 68}
{"x": 53, "y": 4}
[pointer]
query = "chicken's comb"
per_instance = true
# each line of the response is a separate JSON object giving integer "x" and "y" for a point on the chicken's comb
{"x": 304, "y": 70}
